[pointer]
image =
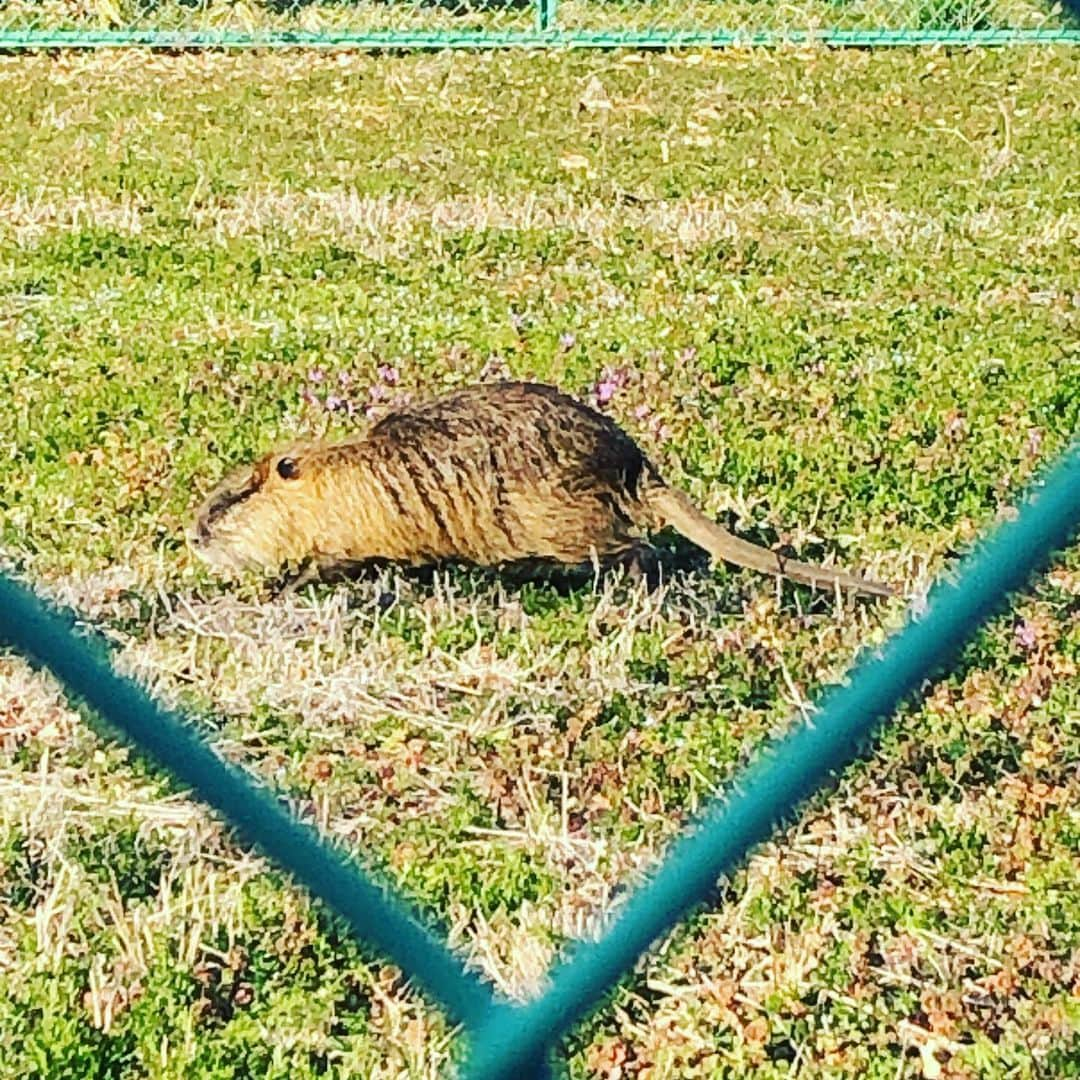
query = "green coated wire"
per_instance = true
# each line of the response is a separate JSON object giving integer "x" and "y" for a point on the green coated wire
{"x": 80, "y": 662}
{"x": 507, "y": 1041}
{"x": 528, "y": 39}
{"x": 513, "y": 1042}
{"x": 514, "y": 1039}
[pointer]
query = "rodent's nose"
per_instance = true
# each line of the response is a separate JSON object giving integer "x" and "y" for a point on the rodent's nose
{"x": 199, "y": 533}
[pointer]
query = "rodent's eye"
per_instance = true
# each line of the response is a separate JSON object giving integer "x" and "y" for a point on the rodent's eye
{"x": 287, "y": 468}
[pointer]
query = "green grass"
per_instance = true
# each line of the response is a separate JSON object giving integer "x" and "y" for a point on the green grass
{"x": 841, "y": 288}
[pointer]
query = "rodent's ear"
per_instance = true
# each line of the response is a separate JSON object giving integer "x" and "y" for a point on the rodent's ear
{"x": 287, "y": 468}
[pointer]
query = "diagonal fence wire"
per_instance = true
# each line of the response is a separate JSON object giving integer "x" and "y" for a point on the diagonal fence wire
{"x": 785, "y": 773}
{"x": 506, "y": 1041}
{"x": 374, "y": 914}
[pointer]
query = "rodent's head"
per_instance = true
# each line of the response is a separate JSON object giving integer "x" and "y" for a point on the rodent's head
{"x": 254, "y": 518}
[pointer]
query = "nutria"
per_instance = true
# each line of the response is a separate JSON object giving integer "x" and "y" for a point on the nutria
{"x": 494, "y": 474}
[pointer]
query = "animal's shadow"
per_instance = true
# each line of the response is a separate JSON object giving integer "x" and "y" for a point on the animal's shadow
{"x": 649, "y": 564}
{"x": 667, "y": 558}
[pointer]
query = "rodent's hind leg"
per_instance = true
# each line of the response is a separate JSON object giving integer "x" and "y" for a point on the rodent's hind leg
{"x": 639, "y": 561}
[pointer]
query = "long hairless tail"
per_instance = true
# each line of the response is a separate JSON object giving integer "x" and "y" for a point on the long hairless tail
{"x": 676, "y": 509}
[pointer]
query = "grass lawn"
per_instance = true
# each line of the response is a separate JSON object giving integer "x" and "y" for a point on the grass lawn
{"x": 839, "y": 295}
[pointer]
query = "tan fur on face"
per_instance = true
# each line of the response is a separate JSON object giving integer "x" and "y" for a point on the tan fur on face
{"x": 247, "y": 521}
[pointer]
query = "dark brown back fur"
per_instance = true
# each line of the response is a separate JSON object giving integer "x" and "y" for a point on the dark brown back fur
{"x": 555, "y": 478}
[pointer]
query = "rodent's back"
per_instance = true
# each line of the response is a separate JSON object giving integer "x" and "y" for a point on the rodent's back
{"x": 512, "y": 470}
{"x": 532, "y": 435}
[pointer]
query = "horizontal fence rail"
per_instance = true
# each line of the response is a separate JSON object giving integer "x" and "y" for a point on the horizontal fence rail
{"x": 437, "y": 24}
{"x": 494, "y": 39}
{"x": 511, "y": 1041}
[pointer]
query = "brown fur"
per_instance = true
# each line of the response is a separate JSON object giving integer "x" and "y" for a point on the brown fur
{"x": 493, "y": 474}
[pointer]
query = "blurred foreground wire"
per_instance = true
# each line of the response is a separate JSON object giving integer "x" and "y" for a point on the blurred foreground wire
{"x": 507, "y": 1041}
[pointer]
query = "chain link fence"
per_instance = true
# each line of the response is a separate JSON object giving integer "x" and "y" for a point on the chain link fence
{"x": 510, "y": 1042}
{"x": 487, "y": 23}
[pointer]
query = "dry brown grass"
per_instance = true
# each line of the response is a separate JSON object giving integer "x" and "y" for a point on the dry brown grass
{"x": 382, "y": 226}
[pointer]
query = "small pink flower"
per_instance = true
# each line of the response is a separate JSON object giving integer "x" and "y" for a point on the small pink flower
{"x": 641, "y": 412}
{"x": 688, "y": 354}
{"x": 567, "y": 340}
{"x": 1026, "y": 636}
{"x": 605, "y": 391}
{"x": 344, "y": 379}
{"x": 612, "y": 380}
{"x": 517, "y": 321}
{"x": 316, "y": 375}
{"x": 388, "y": 374}
{"x": 334, "y": 404}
